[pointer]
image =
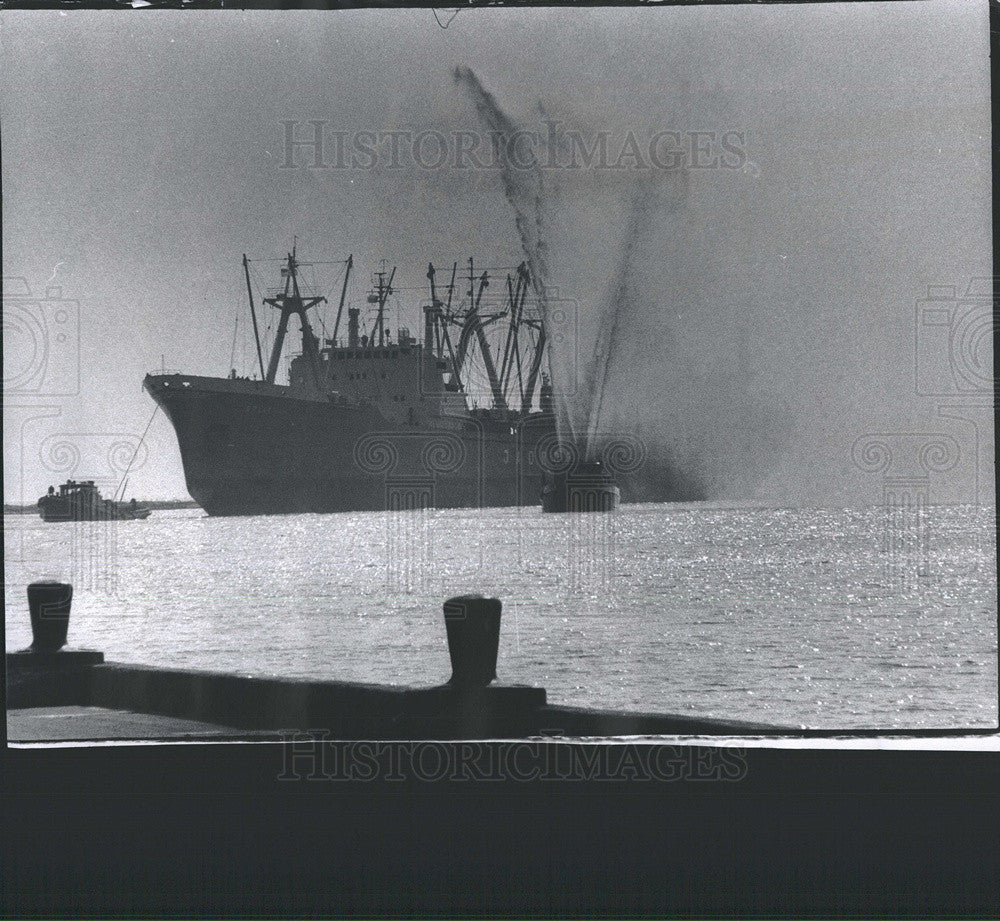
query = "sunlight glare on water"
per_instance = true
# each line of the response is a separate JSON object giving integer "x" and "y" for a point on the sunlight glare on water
{"x": 803, "y": 617}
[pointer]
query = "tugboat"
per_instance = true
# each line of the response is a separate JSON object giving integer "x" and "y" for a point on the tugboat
{"x": 83, "y": 502}
{"x": 589, "y": 488}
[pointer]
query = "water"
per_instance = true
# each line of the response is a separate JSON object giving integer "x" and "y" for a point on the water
{"x": 832, "y": 618}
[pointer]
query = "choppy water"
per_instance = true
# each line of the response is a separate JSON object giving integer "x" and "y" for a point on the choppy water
{"x": 833, "y": 618}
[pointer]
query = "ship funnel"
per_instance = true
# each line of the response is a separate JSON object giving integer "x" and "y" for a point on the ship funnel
{"x": 352, "y": 326}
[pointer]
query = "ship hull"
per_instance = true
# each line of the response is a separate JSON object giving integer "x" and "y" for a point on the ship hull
{"x": 62, "y": 515}
{"x": 251, "y": 449}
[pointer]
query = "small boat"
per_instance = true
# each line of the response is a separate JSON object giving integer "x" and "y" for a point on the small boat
{"x": 83, "y": 502}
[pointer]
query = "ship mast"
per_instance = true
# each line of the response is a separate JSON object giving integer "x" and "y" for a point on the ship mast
{"x": 475, "y": 324}
{"x": 343, "y": 294}
{"x": 381, "y": 295}
{"x": 491, "y": 372}
{"x": 253, "y": 315}
{"x": 288, "y": 302}
{"x": 468, "y": 326}
{"x": 536, "y": 365}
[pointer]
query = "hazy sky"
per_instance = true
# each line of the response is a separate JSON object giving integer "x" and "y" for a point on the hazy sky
{"x": 142, "y": 155}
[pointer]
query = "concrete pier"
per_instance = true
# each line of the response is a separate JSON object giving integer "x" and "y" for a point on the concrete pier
{"x": 80, "y": 684}
{"x": 345, "y": 710}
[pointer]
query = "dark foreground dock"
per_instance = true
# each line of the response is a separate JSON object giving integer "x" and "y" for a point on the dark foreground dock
{"x": 345, "y": 710}
{"x": 81, "y": 695}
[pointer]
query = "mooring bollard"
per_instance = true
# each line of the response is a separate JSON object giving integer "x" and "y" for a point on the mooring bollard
{"x": 472, "y": 623}
{"x": 49, "y": 603}
{"x": 47, "y": 674}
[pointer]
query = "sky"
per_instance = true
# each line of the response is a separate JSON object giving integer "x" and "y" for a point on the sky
{"x": 772, "y": 321}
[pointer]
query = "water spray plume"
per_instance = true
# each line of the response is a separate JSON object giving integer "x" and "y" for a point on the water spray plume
{"x": 611, "y": 319}
{"x": 626, "y": 246}
{"x": 522, "y": 188}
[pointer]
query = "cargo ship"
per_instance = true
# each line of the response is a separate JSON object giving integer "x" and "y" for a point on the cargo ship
{"x": 370, "y": 421}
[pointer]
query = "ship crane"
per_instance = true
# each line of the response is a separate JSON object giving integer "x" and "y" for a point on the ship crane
{"x": 436, "y": 337}
{"x": 536, "y": 365}
{"x": 289, "y": 302}
{"x": 473, "y": 323}
{"x": 499, "y": 402}
{"x": 515, "y": 299}
{"x": 471, "y": 317}
{"x": 517, "y": 293}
